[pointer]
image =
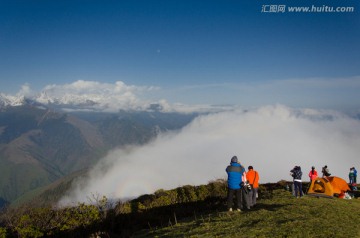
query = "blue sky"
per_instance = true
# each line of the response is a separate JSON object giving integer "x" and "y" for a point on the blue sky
{"x": 216, "y": 52}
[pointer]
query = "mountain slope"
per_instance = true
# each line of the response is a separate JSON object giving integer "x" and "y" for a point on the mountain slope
{"x": 39, "y": 146}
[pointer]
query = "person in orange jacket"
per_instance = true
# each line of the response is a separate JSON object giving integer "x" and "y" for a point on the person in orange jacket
{"x": 252, "y": 177}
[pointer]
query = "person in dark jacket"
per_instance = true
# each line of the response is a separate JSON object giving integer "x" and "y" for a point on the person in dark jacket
{"x": 235, "y": 173}
{"x": 325, "y": 171}
{"x": 296, "y": 173}
{"x": 351, "y": 176}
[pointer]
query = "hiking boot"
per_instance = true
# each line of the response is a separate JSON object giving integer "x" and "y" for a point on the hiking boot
{"x": 230, "y": 209}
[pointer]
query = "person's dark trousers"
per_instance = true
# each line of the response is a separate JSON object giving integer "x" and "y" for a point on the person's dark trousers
{"x": 298, "y": 188}
{"x": 253, "y": 196}
{"x": 230, "y": 199}
{"x": 245, "y": 198}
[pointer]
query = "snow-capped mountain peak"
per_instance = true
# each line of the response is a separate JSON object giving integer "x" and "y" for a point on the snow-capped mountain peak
{"x": 9, "y": 100}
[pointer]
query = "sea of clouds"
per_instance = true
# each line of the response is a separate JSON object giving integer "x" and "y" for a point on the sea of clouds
{"x": 273, "y": 139}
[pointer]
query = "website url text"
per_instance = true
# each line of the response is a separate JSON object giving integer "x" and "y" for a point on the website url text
{"x": 312, "y": 9}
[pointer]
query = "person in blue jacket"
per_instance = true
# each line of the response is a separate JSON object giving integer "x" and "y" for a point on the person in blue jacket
{"x": 355, "y": 175}
{"x": 235, "y": 173}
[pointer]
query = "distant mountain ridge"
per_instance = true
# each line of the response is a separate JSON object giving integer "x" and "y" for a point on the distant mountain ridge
{"x": 85, "y": 102}
{"x": 6, "y": 100}
{"x": 39, "y": 145}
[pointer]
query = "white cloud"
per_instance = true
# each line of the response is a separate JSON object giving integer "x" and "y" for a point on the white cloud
{"x": 273, "y": 139}
{"x": 96, "y": 95}
{"x": 25, "y": 91}
{"x": 335, "y": 93}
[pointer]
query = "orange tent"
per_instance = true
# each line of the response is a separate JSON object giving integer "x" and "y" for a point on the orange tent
{"x": 328, "y": 187}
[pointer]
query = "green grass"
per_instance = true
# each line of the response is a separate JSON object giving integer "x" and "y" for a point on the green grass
{"x": 279, "y": 216}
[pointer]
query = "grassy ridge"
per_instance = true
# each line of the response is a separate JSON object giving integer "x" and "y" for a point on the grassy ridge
{"x": 279, "y": 216}
{"x": 189, "y": 211}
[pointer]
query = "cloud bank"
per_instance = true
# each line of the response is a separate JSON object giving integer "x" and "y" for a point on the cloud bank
{"x": 273, "y": 139}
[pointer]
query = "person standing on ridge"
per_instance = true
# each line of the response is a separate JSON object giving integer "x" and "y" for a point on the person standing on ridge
{"x": 325, "y": 171}
{"x": 252, "y": 177}
{"x": 355, "y": 175}
{"x": 296, "y": 173}
{"x": 313, "y": 174}
{"x": 235, "y": 173}
{"x": 351, "y": 176}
